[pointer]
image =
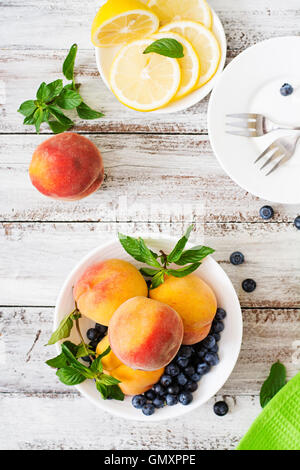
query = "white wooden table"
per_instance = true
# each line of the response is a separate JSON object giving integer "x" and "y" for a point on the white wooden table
{"x": 161, "y": 175}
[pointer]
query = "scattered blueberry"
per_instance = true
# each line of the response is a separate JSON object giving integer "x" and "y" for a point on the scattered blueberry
{"x": 212, "y": 358}
{"x": 101, "y": 328}
{"x": 171, "y": 400}
{"x": 221, "y": 408}
{"x": 209, "y": 342}
{"x": 182, "y": 361}
{"x": 159, "y": 390}
{"x": 203, "y": 368}
{"x": 266, "y": 212}
{"x": 138, "y": 401}
{"x": 217, "y": 336}
{"x": 172, "y": 369}
{"x": 173, "y": 390}
{"x": 166, "y": 380}
{"x": 158, "y": 402}
{"x": 195, "y": 378}
{"x": 93, "y": 334}
{"x": 249, "y": 285}
{"x": 237, "y": 258}
{"x": 217, "y": 326}
{"x": 185, "y": 398}
{"x": 297, "y": 222}
{"x": 221, "y": 314}
{"x": 189, "y": 370}
{"x": 148, "y": 409}
{"x": 181, "y": 379}
{"x": 185, "y": 351}
{"x": 150, "y": 395}
{"x": 286, "y": 89}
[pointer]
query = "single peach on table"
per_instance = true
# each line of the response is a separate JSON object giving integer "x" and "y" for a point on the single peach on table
{"x": 67, "y": 166}
{"x": 193, "y": 299}
{"x": 145, "y": 334}
{"x": 104, "y": 286}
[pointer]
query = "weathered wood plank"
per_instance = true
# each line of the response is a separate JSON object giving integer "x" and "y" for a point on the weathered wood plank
{"x": 67, "y": 422}
{"x": 36, "y": 257}
{"x": 148, "y": 178}
{"x": 269, "y": 335}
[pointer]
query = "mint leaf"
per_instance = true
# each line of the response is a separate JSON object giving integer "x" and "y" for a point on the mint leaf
{"x": 57, "y": 127}
{"x": 70, "y": 376}
{"x": 102, "y": 389}
{"x": 275, "y": 381}
{"x": 85, "y": 112}
{"x": 168, "y": 47}
{"x": 53, "y": 89}
{"x": 76, "y": 364}
{"x": 96, "y": 365}
{"x": 105, "y": 353}
{"x": 179, "y": 247}
{"x": 115, "y": 392}
{"x": 131, "y": 246}
{"x": 68, "y": 99}
{"x": 42, "y": 92}
{"x": 182, "y": 272}
{"x": 158, "y": 279}
{"x": 147, "y": 254}
{"x": 58, "y": 362}
{"x": 149, "y": 271}
{"x": 68, "y": 65}
{"x": 84, "y": 350}
{"x": 64, "y": 328}
{"x": 59, "y": 115}
{"x": 108, "y": 380}
{"x": 194, "y": 255}
{"x": 27, "y": 108}
{"x": 30, "y": 120}
{"x": 38, "y": 119}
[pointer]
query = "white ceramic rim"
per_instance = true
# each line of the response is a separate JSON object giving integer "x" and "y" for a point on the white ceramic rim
{"x": 178, "y": 410}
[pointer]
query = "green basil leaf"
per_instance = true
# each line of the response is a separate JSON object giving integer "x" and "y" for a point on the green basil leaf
{"x": 27, "y": 108}
{"x": 68, "y": 65}
{"x": 179, "y": 247}
{"x": 158, "y": 279}
{"x": 149, "y": 271}
{"x": 85, "y": 112}
{"x": 63, "y": 330}
{"x": 58, "y": 362}
{"x": 70, "y": 376}
{"x": 108, "y": 380}
{"x": 168, "y": 47}
{"x": 275, "y": 381}
{"x": 182, "y": 272}
{"x": 102, "y": 389}
{"x": 194, "y": 255}
{"x": 68, "y": 99}
{"x": 64, "y": 120}
{"x": 115, "y": 392}
{"x": 57, "y": 127}
{"x": 76, "y": 364}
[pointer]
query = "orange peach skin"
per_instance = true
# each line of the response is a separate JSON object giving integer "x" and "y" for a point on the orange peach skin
{"x": 104, "y": 286}
{"x": 67, "y": 166}
{"x": 195, "y": 302}
{"x": 145, "y": 334}
{"x": 133, "y": 382}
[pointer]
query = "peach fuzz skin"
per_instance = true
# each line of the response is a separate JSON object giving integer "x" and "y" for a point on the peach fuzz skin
{"x": 195, "y": 302}
{"x": 145, "y": 334}
{"x": 104, "y": 286}
{"x": 133, "y": 382}
{"x": 67, "y": 166}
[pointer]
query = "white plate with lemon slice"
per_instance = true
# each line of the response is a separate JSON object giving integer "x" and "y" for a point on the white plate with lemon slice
{"x": 119, "y": 67}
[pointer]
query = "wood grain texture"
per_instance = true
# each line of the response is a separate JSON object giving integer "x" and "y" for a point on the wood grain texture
{"x": 147, "y": 178}
{"x": 36, "y": 257}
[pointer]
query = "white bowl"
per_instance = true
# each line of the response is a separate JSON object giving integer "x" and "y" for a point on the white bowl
{"x": 230, "y": 342}
{"x": 105, "y": 57}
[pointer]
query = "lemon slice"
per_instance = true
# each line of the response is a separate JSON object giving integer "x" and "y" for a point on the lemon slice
{"x": 177, "y": 10}
{"x": 204, "y": 43}
{"x": 189, "y": 64}
{"x": 121, "y": 21}
{"x": 144, "y": 82}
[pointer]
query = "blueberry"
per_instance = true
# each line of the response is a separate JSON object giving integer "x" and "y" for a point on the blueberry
{"x": 192, "y": 385}
{"x": 189, "y": 370}
{"x": 158, "y": 402}
{"x": 93, "y": 334}
{"x": 87, "y": 359}
{"x": 172, "y": 369}
{"x": 217, "y": 326}
{"x": 138, "y": 401}
{"x": 166, "y": 380}
{"x": 297, "y": 222}
{"x": 93, "y": 345}
{"x": 221, "y": 408}
{"x": 215, "y": 349}
{"x": 171, "y": 400}
{"x": 148, "y": 409}
{"x": 150, "y": 395}
{"x": 212, "y": 358}
{"x": 237, "y": 258}
{"x": 185, "y": 351}
{"x": 202, "y": 351}
{"x": 203, "y": 368}
{"x": 249, "y": 285}
{"x": 101, "y": 328}
{"x": 266, "y": 212}
{"x": 181, "y": 379}
{"x": 159, "y": 390}
{"x": 185, "y": 398}
{"x": 217, "y": 336}
{"x": 221, "y": 314}
{"x": 286, "y": 89}
{"x": 209, "y": 342}
{"x": 182, "y": 361}
{"x": 173, "y": 390}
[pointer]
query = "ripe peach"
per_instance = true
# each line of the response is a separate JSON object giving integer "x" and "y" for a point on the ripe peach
{"x": 145, "y": 334}
{"x": 193, "y": 299}
{"x": 103, "y": 287}
{"x": 67, "y": 166}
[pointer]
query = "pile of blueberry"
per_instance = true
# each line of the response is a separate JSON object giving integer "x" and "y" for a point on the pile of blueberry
{"x": 182, "y": 375}
{"x": 95, "y": 335}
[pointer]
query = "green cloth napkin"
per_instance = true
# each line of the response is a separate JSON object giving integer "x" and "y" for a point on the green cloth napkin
{"x": 278, "y": 425}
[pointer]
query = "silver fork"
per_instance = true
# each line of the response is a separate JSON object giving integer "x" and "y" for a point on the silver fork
{"x": 279, "y": 151}
{"x": 254, "y": 125}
